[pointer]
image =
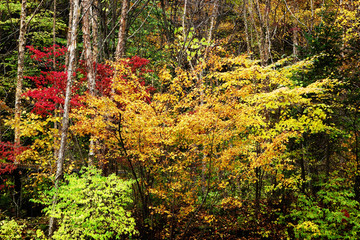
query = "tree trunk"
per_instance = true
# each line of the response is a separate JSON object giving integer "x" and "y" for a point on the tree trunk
{"x": 19, "y": 84}
{"x": 262, "y": 29}
{"x": 89, "y": 61}
{"x": 248, "y": 44}
{"x": 20, "y": 76}
{"x": 65, "y": 120}
{"x": 120, "y": 48}
{"x": 114, "y": 17}
{"x": 357, "y": 172}
{"x": 71, "y": 2}
{"x": 88, "y": 46}
{"x": 209, "y": 39}
{"x": 169, "y": 37}
{"x": 267, "y": 47}
{"x": 295, "y": 42}
{"x": 94, "y": 27}
{"x": 212, "y": 24}
{"x": 295, "y": 39}
{"x": 54, "y": 35}
{"x": 258, "y": 186}
{"x": 303, "y": 172}
{"x": 254, "y": 25}
{"x": 70, "y": 71}
{"x": 56, "y": 124}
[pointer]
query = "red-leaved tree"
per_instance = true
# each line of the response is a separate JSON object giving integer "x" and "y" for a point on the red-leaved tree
{"x": 7, "y": 159}
{"x": 49, "y": 94}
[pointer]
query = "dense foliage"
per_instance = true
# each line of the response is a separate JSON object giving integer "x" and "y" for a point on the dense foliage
{"x": 214, "y": 120}
{"x": 92, "y": 206}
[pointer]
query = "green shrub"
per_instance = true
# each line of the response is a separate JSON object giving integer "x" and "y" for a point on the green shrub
{"x": 331, "y": 214}
{"x": 92, "y": 207}
{"x": 10, "y": 229}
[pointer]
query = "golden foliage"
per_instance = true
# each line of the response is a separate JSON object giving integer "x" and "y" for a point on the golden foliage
{"x": 204, "y": 132}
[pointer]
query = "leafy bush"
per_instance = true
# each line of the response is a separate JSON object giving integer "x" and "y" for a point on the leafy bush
{"x": 92, "y": 207}
{"x": 10, "y": 229}
{"x": 331, "y": 214}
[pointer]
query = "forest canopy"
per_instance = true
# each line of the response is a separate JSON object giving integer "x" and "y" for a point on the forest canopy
{"x": 189, "y": 119}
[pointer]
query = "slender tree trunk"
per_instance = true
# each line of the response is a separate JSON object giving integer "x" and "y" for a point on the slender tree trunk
{"x": 212, "y": 24}
{"x": 54, "y": 35}
{"x": 260, "y": 29}
{"x": 56, "y": 124}
{"x": 264, "y": 31}
{"x": 184, "y": 20}
{"x": 255, "y": 27}
{"x": 17, "y": 197}
{"x": 183, "y": 53}
{"x": 312, "y": 16}
{"x": 71, "y": 2}
{"x": 94, "y": 27}
{"x": 258, "y": 185}
{"x": 356, "y": 152}
{"x": 89, "y": 61}
{"x": 114, "y": 17}
{"x": 20, "y": 76}
{"x": 327, "y": 158}
{"x": 65, "y": 120}
{"x": 19, "y": 84}
{"x": 120, "y": 48}
{"x": 88, "y": 46}
{"x": 303, "y": 172}
{"x": 95, "y": 45}
{"x": 168, "y": 35}
{"x": 267, "y": 31}
{"x": 70, "y": 71}
{"x": 248, "y": 44}
{"x": 295, "y": 39}
{"x": 209, "y": 39}
{"x": 295, "y": 42}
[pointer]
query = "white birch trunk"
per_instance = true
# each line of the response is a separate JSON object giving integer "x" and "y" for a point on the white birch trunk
{"x": 20, "y": 76}
{"x": 89, "y": 61}
{"x": 65, "y": 120}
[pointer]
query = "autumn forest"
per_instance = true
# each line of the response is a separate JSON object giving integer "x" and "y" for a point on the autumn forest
{"x": 179, "y": 119}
